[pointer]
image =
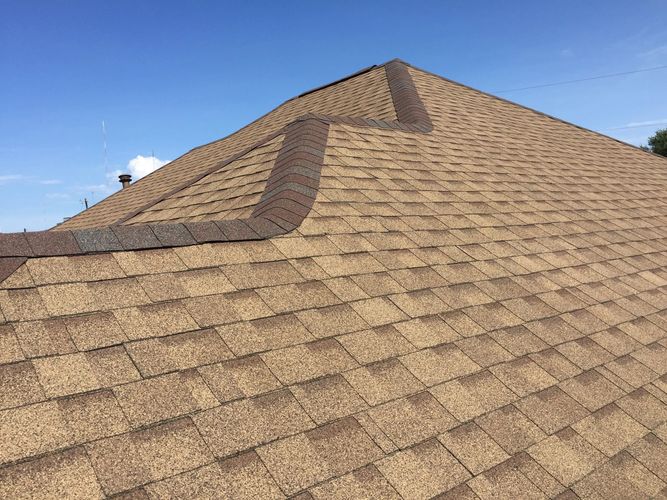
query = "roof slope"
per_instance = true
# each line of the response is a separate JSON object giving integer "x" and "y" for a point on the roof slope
{"x": 365, "y": 95}
{"x": 470, "y": 300}
{"x": 230, "y": 192}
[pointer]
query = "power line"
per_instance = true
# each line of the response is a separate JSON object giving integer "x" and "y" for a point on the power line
{"x": 567, "y": 82}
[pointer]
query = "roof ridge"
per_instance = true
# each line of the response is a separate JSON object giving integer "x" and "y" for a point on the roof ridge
{"x": 348, "y": 77}
{"x": 409, "y": 108}
{"x": 288, "y": 196}
{"x": 150, "y": 176}
{"x": 321, "y": 87}
{"x": 335, "y": 82}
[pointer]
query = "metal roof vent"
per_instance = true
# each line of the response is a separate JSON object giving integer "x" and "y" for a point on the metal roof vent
{"x": 125, "y": 180}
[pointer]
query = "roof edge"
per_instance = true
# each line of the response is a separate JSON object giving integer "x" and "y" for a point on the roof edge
{"x": 287, "y": 199}
{"x": 528, "y": 108}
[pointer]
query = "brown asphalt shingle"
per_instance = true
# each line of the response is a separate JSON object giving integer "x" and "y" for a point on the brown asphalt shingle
{"x": 463, "y": 298}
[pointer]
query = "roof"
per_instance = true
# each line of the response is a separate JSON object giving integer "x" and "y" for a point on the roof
{"x": 394, "y": 286}
{"x": 366, "y": 95}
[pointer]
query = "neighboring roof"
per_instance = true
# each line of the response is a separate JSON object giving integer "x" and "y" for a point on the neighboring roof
{"x": 440, "y": 293}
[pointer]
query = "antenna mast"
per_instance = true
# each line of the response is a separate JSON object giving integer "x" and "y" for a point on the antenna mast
{"x": 104, "y": 142}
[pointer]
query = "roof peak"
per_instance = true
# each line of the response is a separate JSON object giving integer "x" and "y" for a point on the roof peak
{"x": 288, "y": 196}
{"x": 350, "y": 76}
{"x": 381, "y": 95}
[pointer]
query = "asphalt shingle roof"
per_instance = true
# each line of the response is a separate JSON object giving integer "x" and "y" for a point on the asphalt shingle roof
{"x": 415, "y": 289}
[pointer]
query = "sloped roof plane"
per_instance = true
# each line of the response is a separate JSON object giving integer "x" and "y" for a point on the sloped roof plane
{"x": 394, "y": 286}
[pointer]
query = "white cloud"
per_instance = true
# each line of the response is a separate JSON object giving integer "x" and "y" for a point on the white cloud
{"x": 138, "y": 167}
{"x": 141, "y": 166}
{"x": 57, "y": 196}
{"x": 112, "y": 185}
{"x": 6, "y": 179}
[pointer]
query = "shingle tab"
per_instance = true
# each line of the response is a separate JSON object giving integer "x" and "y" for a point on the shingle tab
{"x": 623, "y": 476}
{"x": 243, "y": 477}
{"x": 438, "y": 364}
{"x": 245, "y": 424}
{"x": 566, "y": 455}
{"x": 328, "y": 398}
{"x": 10, "y": 349}
{"x": 93, "y": 416}
{"x": 331, "y": 450}
{"x": 610, "y": 429}
{"x": 473, "y": 395}
{"x": 423, "y": 471}
{"x": 68, "y": 471}
{"x": 383, "y": 381}
{"x": 511, "y": 429}
{"x": 43, "y": 338}
{"x": 19, "y": 385}
{"x": 161, "y": 398}
{"x": 409, "y": 420}
{"x": 66, "y": 374}
{"x": 133, "y": 459}
{"x": 239, "y": 378}
{"x": 552, "y": 409}
{"x": 177, "y": 352}
{"x": 473, "y": 447}
{"x": 362, "y": 483}
{"x": 308, "y": 361}
{"x": 264, "y": 334}
{"x": 32, "y": 430}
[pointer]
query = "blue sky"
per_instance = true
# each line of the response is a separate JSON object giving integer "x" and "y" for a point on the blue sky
{"x": 167, "y": 76}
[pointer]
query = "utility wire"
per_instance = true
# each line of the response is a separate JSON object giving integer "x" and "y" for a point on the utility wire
{"x": 567, "y": 82}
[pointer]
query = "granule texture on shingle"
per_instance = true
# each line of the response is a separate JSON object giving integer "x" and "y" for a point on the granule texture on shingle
{"x": 459, "y": 298}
